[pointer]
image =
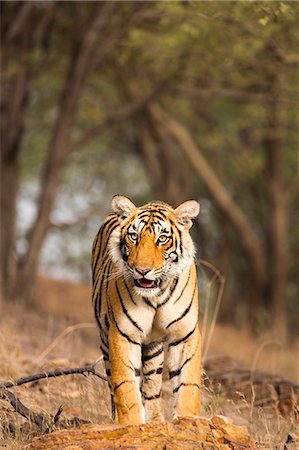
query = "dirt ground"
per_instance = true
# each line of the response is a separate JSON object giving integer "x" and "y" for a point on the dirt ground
{"x": 59, "y": 331}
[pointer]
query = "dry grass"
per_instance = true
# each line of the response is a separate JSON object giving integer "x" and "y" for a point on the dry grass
{"x": 60, "y": 332}
{"x": 263, "y": 353}
{"x": 30, "y": 344}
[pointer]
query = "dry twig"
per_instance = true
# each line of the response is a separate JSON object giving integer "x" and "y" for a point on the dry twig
{"x": 90, "y": 368}
{"x": 20, "y": 408}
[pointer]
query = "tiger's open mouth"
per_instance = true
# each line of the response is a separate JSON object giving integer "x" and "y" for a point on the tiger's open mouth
{"x": 146, "y": 284}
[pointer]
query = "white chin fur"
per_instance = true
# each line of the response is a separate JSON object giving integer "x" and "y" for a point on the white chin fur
{"x": 147, "y": 292}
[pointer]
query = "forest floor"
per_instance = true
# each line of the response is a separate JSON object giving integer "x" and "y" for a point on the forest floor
{"x": 253, "y": 381}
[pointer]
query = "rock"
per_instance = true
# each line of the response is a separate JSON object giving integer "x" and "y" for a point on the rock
{"x": 183, "y": 433}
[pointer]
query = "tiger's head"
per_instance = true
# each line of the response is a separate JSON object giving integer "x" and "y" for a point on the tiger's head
{"x": 152, "y": 243}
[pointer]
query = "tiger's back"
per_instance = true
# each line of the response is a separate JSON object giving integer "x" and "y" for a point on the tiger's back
{"x": 146, "y": 304}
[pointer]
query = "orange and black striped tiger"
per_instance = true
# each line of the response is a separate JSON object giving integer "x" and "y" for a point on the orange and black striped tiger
{"x": 145, "y": 299}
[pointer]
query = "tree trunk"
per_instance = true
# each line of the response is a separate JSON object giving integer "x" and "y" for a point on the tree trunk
{"x": 58, "y": 150}
{"x": 18, "y": 40}
{"x": 278, "y": 251}
{"x": 13, "y": 106}
{"x": 9, "y": 186}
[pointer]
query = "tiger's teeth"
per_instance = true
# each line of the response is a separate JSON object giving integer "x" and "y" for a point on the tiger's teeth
{"x": 144, "y": 283}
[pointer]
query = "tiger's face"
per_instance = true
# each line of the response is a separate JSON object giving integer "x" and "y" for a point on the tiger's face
{"x": 152, "y": 244}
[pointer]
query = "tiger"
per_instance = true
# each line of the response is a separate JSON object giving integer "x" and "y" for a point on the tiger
{"x": 145, "y": 300}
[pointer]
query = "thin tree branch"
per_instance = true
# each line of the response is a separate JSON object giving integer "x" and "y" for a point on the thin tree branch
{"x": 135, "y": 16}
{"x": 124, "y": 114}
{"x": 239, "y": 95}
{"x": 89, "y": 368}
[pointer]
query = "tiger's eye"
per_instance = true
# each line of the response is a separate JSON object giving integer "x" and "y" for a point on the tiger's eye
{"x": 163, "y": 239}
{"x": 133, "y": 236}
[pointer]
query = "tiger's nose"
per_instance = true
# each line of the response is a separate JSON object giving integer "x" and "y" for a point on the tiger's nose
{"x": 142, "y": 270}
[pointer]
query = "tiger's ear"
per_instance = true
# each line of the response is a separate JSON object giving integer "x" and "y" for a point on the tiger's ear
{"x": 186, "y": 212}
{"x": 122, "y": 206}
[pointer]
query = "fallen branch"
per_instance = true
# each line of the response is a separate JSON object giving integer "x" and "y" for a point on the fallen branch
{"x": 90, "y": 368}
{"x": 20, "y": 408}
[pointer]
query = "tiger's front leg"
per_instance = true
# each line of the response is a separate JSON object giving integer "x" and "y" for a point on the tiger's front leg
{"x": 125, "y": 359}
{"x": 152, "y": 359}
{"x": 184, "y": 372}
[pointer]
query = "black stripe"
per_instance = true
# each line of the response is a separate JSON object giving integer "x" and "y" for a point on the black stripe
{"x": 180, "y": 239}
{"x": 108, "y": 372}
{"x": 98, "y": 302}
{"x": 126, "y": 311}
{"x": 93, "y": 265}
{"x": 107, "y": 321}
{"x": 174, "y": 343}
{"x": 129, "y": 292}
{"x": 154, "y": 371}
{"x": 153, "y": 212}
{"x": 120, "y": 384}
{"x": 101, "y": 272}
{"x": 160, "y": 294}
{"x": 183, "y": 290}
{"x": 148, "y": 357}
{"x": 162, "y": 291}
{"x": 158, "y": 216}
{"x": 146, "y": 300}
{"x": 186, "y": 310}
{"x": 112, "y": 220}
{"x": 97, "y": 319}
{"x": 104, "y": 338}
{"x": 142, "y": 215}
{"x": 104, "y": 240}
{"x": 109, "y": 223}
{"x": 185, "y": 384}
{"x": 152, "y": 397}
{"x": 106, "y": 280}
{"x": 114, "y": 225}
{"x": 175, "y": 373}
{"x": 151, "y": 372}
{"x": 134, "y": 369}
{"x": 168, "y": 244}
{"x": 171, "y": 289}
{"x": 175, "y": 248}
{"x": 96, "y": 239}
{"x": 122, "y": 333}
{"x": 105, "y": 354}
